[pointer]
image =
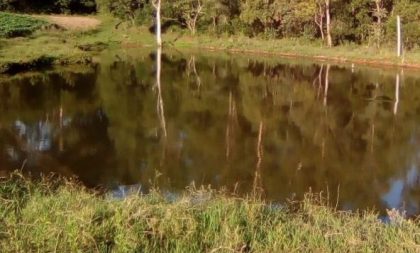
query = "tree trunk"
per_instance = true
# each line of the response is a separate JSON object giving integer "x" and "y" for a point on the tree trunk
{"x": 319, "y": 21}
{"x": 157, "y": 6}
{"x": 328, "y": 16}
{"x": 192, "y": 23}
{"x": 214, "y": 23}
{"x": 378, "y": 12}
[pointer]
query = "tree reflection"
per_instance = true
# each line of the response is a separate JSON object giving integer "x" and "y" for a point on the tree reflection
{"x": 257, "y": 184}
{"x": 160, "y": 106}
{"x": 232, "y": 122}
{"x": 397, "y": 93}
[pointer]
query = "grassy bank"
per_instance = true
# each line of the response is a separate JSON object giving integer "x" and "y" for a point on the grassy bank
{"x": 357, "y": 54}
{"x": 54, "y": 44}
{"x": 58, "y": 216}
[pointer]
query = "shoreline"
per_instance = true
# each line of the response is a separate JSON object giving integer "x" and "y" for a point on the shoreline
{"x": 80, "y": 46}
{"x": 42, "y": 62}
{"x": 366, "y": 62}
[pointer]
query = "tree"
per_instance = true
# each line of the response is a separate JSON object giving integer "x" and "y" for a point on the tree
{"x": 328, "y": 17}
{"x": 379, "y": 12}
{"x": 189, "y": 11}
{"x": 215, "y": 10}
{"x": 319, "y": 17}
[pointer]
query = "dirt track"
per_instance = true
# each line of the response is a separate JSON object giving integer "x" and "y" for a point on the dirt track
{"x": 73, "y": 22}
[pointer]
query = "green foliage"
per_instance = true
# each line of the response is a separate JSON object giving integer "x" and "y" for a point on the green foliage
{"x": 127, "y": 10}
{"x": 12, "y": 25}
{"x": 49, "y": 6}
{"x": 410, "y": 17}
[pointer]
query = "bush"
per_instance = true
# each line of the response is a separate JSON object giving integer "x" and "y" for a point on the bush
{"x": 135, "y": 11}
{"x": 12, "y": 25}
{"x": 49, "y": 6}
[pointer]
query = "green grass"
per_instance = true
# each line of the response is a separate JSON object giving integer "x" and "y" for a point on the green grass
{"x": 299, "y": 47}
{"x": 62, "y": 216}
{"x": 60, "y": 46}
{"x": 13, "y": 25}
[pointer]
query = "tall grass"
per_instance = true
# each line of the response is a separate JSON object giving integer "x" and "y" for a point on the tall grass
{"x": 62, "y": 216}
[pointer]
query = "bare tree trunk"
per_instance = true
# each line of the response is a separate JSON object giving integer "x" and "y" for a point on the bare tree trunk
{"x": 378, "y": 29}
{"x": 378, "y": 11}
{"x": 193, "y": 25}
{"x": 157, "y": 6}
{"x": 214, "y": 23}
{"x": 193, "y": 17}
{"x": 399, "y": 36}
{"x": 328, "y": 15}
{"x": 319, "y": 20}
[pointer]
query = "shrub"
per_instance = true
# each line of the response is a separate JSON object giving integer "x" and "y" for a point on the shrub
{"x": 12, "y": 25}
{"x": 49, "y": 6}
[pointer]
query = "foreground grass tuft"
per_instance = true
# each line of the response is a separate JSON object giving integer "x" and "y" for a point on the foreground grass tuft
{"x": 60, "y": 216}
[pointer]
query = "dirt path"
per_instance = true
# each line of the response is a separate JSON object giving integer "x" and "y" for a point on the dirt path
{"x": 73, "y": 22}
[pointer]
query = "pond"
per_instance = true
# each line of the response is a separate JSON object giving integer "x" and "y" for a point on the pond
{"x": 283, "y": 127}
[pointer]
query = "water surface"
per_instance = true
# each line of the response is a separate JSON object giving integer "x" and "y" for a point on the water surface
{"x": 281, "y": 126}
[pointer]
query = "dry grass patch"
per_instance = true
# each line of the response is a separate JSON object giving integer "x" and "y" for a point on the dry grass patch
{"x": 73, "y": 23}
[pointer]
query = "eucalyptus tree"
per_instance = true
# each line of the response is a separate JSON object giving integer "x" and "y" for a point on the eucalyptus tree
{"x": 328, "y": 17}
{"x": 157, "y": 4}
{"x": 319, "y": 16}
{"x": 217, "y": 10}
{"x": 189, "y": 12}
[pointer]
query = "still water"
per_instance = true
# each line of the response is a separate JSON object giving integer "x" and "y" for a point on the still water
{"x": 282, "y": 126}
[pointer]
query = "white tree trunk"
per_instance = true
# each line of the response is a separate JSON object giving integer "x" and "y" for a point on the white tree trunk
{"x": 328, "y": 16}
{"x": 378, "y": 11}
{"x": 157, "y": 5}
{"x": 399, "y": 43}
{"x": 319, "y": 20}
